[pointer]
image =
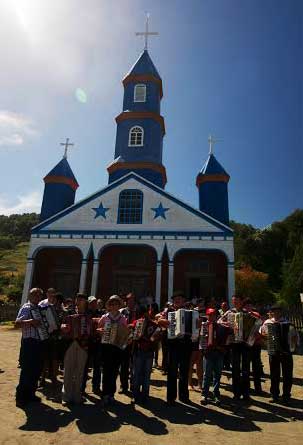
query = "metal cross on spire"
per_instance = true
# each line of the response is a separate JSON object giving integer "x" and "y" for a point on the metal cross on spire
{"x": 146, "y": 33}
{"x": 212, "y": 140}
{"x": 66, "y": 144}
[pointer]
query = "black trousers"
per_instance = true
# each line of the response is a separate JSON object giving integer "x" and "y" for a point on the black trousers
{"x": 256, "y": 364}
{"x": 111, "y": 360}
{"x": 94, "y": 361}
{"x": 179, "y": 354}
{"x": 241, "y": 356}
{"x": 126, "y": 358}
{"x": 276, "y": 362}
{"x": 31, "y": 361}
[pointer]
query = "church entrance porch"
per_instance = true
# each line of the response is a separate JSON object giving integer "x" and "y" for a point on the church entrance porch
{"x": 59, "y": 268}
{"x": 201, "y": 274}
{"x": 125, "y": 269}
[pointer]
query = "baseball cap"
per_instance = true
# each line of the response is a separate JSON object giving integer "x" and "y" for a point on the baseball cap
{"x": 210, "y": 311}
{"x": 91, "y": 299}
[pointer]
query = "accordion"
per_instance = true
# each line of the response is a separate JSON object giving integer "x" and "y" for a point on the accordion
{"x": 281, "y": 337}
{"x": 245, "y": 327}
{"x": 183, "y": 322}
{"x": 115, "y": 334}
{"x": 49, "y": 321}
{"x": 213, "y": 335}
{"x": 80, "y": 326}
{"x": 144, "y": 329}
{"x": 139, "y": 330}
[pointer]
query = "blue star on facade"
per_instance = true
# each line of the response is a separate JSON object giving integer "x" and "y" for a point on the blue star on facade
{"x": 100, "y": 211}
{"x": 160, "y": 211}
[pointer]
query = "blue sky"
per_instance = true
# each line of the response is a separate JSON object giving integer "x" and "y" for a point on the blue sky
{"x": 232, "y": 68}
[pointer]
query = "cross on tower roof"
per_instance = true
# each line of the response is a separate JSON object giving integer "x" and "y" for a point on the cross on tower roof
{"x": 212, "y": 140}
{"x": 66, "y": 144}
{"x": 146, "y": 33}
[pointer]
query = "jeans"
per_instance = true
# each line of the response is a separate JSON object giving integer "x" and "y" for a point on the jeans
{"x": 142, "y": 367}
{"x": 276, "y": 362}
{"x": 31, "y": 361}
{"x": 241, "y": 354}
{"x": 213, "y": 370}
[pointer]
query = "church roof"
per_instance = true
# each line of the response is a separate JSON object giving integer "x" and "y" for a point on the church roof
{"x": 171, "y": 200}
{"x": 144, "y": 65}
{"x": 62, "y": 169}
{"x": 212, "y": 167}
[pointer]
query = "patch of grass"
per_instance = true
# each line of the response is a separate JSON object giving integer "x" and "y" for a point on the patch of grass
{"x": 14, "y": 261}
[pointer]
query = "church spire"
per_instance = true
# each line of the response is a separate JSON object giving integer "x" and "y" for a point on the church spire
{"x": 212, "y": 182}
{"x": 60, "y": 187}
{"x": 140, "y": 126}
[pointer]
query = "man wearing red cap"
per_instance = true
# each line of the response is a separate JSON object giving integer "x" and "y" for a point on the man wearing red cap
{"x": 215, "y": 336}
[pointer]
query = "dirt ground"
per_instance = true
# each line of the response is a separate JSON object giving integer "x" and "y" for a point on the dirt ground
{"x": 50, "y": 423}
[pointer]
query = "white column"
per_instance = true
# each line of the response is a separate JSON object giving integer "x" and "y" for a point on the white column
{"x": 170, "y": 279}
{"x": 158, "y": 282}
{"x": 28, "y": 279}
{"x": 83, "y": 276}
{"x": 94, "y": 287}
{"x": 231, "y": 281}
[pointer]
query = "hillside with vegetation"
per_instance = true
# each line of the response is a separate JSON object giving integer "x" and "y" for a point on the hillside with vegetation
{"x": 269, "y": 262}
{"x": 14, "y": 241}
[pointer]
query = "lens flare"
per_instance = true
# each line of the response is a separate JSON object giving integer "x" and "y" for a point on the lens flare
{"x": 81, "y": 95}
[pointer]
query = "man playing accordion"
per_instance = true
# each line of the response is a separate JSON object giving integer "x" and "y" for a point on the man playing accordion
{"x": 282, "y": 340}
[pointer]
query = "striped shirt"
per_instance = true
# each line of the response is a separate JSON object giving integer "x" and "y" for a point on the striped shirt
{"x": 25, "y": 314}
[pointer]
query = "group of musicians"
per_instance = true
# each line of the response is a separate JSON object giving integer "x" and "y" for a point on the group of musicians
{"x": 83, "y": 340}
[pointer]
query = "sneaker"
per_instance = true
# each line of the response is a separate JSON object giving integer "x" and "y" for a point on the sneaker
{"x": 274, "y": 400}
{"x": 204, "y": 401}
{"x": 217, "y": 401}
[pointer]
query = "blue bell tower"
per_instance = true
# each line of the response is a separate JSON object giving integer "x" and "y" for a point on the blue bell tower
{"x": 60, "y": 188}
{"x": 212, "y": 182}
{"x": 140, "y": 126}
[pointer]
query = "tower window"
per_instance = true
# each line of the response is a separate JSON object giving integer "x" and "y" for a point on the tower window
{"x": 136, "y": 137}
{"x": 140, "y": 93}
{"x": 130, "y": 207}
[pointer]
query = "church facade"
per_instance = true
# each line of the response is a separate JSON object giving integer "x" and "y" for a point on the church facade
{"x": 132, "y": 235}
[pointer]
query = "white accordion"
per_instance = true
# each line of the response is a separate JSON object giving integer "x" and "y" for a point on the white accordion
{"x": 139, "y": 329}
{"x": 115, "y": 334}
{"x": 183, "y": 322}
{"x": 49, "y": 321}
{"x": 245, "y": 327}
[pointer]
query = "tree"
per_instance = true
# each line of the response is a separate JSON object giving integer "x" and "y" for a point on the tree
{"x": 253, "y": 284}
{"x": 293, "y": 277}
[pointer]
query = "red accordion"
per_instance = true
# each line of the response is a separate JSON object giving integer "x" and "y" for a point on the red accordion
{"x": 213, "y": 335}
{"x": 81, "y": 326}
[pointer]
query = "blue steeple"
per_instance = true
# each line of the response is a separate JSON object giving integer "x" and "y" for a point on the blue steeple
{"x": 59, "y": 191}
{"x": 212, "y": 182}
{"x": 140, "y": 126}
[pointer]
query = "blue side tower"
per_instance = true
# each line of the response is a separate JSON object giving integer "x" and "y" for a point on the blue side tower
{"x": 140, "y": 126}
{"x": 59, "y": 191}
{"x": 212, "y": 183}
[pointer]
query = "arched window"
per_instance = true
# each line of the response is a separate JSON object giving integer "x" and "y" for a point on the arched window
{"x": 130, "y": 207}
{"x": 140, "y": 93}
{"x": 136, "y": 135}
